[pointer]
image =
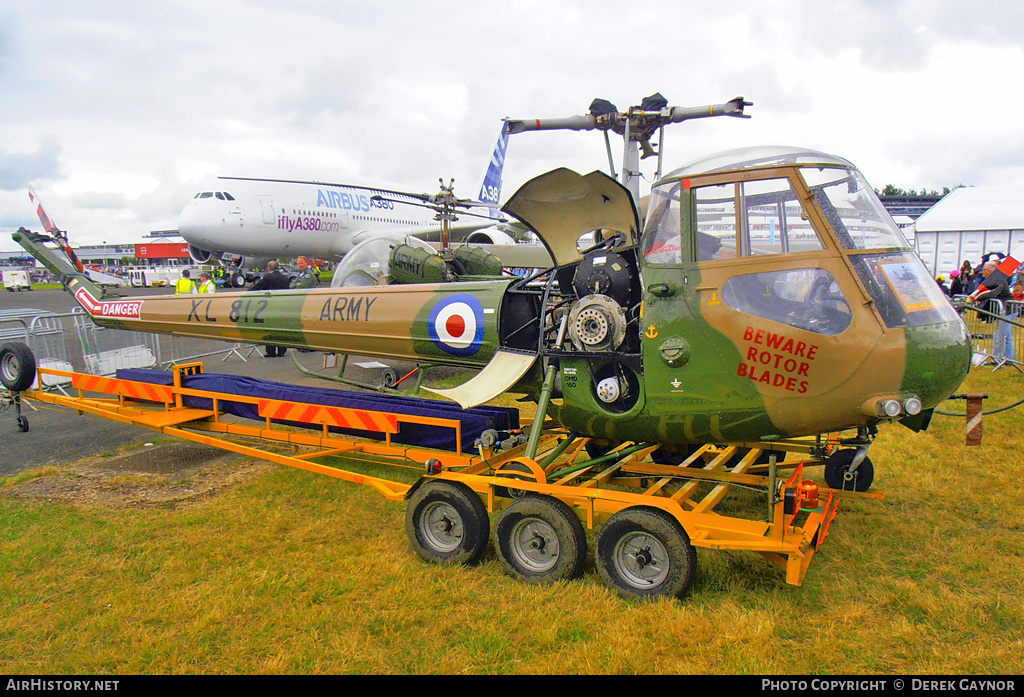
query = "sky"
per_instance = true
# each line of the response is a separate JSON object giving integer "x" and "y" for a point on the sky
{"x": 117, "y": 113}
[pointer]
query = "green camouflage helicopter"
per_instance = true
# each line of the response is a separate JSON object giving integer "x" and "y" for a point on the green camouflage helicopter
{"x": 767, "y": 296}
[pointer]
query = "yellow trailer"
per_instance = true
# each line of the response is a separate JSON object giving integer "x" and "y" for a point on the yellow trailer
{"x": 649, "y": 518}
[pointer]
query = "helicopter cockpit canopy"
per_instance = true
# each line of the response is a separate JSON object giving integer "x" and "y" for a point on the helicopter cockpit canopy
{"x": 367, "y": 263}
{"x": 847, "y": 200}
{"x": 782, "y": 205}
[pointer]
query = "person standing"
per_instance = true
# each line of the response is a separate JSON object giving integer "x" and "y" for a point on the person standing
{"x": 998, "y": 289}
{"x": 184, "y": 285}
{"x": 273, "y": 279}
{"x": 205, "y": 284}
{"x": 956, "y": 286}
{"x": 306, "y": 277}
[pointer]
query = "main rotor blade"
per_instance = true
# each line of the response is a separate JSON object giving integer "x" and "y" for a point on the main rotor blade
{"x": 437, "y": 207}
{"x": 375, "y": 189}
{"x": 427, "y": 198}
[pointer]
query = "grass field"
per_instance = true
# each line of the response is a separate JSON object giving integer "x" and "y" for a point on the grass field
{"x": 296, "y": 573}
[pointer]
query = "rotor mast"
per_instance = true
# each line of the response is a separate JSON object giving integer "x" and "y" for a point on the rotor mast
{"x": 636, "y": 125}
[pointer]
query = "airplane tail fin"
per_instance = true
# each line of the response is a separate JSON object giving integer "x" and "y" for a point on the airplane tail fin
{"x": 489, "y": 190}
{"x": 59, "y": 235}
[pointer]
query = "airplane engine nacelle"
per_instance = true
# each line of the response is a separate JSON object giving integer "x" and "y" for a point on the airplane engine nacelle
{"x": 490, "y": 236}
{"x": 199, "y": 255}
{"x": 253, "y": 263}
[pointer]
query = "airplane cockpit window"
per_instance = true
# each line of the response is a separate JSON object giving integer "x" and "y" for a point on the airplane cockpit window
{"x": 808, "y": 299}
{"x": 228, "y": 196}
{"x": 219, "y": 195}
{"x": 853, "y": 210}
{"x": 206, "y": 194}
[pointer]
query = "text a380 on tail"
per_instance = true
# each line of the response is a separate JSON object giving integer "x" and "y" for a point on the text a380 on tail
{"x": 269, "y": 218}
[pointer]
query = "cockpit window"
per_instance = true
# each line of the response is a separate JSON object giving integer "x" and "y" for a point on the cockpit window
{"x": 219, "y": 195}
{"x": 206, "y": 194}
{"x": 853, "y": 210}
{"x": 904, "y": 293}
{"x": 228, "y": 196}
{"x": 753, "y": 218}
{"x": 716, "y": 222}
{"x": 808, "y": 299}
{"x": 662, "y": 244}
{"x": 774, "y": 220}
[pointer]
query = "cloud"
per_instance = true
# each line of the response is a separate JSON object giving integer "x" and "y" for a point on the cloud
{"x": 18, "y": 170}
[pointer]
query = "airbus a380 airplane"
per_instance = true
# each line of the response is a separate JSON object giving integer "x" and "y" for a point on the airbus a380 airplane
{"x": 287, "y": 218}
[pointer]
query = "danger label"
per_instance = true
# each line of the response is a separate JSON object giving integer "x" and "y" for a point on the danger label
{"x": 128, "y": 309}
{"x": 777, "y": 360}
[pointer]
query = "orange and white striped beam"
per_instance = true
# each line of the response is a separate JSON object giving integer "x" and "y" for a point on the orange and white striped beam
{"x": 361, "y": 419}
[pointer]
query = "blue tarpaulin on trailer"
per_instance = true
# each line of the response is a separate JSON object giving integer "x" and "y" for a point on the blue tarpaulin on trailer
{"x": 474, "y": 421}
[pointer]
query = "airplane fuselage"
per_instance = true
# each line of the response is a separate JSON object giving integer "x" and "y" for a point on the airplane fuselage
{"x": 288, "y": 219}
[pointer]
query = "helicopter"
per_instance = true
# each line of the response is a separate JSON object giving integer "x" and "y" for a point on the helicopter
{"x": 768, "y": 295}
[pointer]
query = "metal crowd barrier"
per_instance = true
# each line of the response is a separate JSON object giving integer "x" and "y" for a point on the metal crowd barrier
{"x": 178, "y": 349}
{"x": 72, "y": 342}
{"x": 983, "y": 318}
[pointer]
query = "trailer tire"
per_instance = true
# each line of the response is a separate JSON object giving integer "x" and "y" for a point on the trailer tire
{"x": 645, "y": 553}
{"x": 447, "y": 523}
{"x": 837, "y": 466}
{"x": 17, "y": 366}
{"x": 540, "y": 540}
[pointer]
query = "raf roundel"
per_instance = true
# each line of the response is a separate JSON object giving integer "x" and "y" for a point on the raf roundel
{"x": 456, "y": 325}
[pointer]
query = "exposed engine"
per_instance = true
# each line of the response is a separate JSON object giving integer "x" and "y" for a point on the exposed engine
{"x": 597, "y": 323}
{"x": 588, "y": 311}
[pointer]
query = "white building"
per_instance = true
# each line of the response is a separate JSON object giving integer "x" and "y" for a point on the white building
{"x": 968, "y": 223}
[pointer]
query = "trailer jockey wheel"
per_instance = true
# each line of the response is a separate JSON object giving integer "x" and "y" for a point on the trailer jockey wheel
{"x": 447, "y": 523}
{"x": 17, "y": 367}
{"x": 839, "y": 476}
{"x": 23, "y": 424}
{"x": 644, "y": 552}
{"x": 540, "y": 540}
{"x": 388, "y": 377}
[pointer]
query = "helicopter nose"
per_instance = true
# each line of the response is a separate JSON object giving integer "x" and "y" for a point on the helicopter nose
{"x": 938, "y": 360}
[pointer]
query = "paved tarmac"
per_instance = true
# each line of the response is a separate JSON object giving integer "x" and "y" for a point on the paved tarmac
{"x": 58, "y": 436}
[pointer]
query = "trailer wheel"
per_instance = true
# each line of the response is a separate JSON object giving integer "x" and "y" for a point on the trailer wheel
{"x": 540, "y": 540}
{"x": 838, "y": 475}
{"x": 17, "y": 366}
{"x": 23, "y": 424}
{"x": 644, "y": 552}
{"x": 447, "y": 523}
